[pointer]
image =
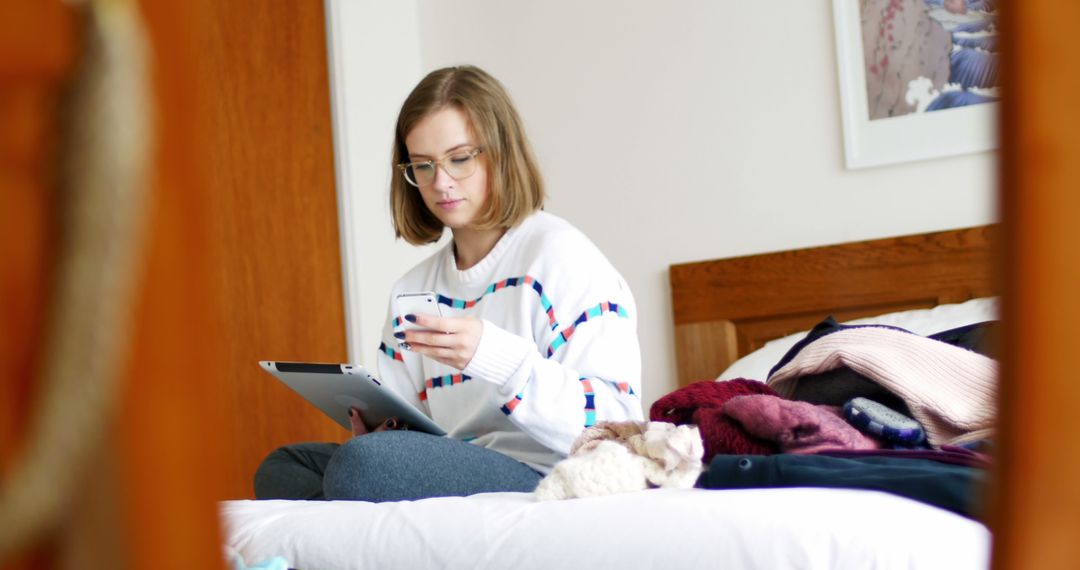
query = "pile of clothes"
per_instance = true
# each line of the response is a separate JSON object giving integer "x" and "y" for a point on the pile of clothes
{"x": 848, "y": 406}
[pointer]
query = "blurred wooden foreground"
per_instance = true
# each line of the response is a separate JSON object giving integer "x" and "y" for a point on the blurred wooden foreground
{"x": 242, "y": 264}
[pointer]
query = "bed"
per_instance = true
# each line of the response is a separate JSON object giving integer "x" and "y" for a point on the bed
{"x": 730, "y": 316}
{"x": 726, "y": 309}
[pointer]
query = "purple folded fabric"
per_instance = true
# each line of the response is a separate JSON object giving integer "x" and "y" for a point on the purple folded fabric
{"x": 797, "y": 427}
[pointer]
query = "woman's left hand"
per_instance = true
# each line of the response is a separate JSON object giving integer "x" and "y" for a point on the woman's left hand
{"x": 449, "y": 340}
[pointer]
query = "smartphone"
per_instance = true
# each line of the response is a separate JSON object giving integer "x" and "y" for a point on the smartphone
{"x": 877, "y": 419}
{"x": 423, "y": 303}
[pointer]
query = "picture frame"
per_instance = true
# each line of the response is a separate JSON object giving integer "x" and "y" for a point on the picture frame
{"x": 913, "y": 136}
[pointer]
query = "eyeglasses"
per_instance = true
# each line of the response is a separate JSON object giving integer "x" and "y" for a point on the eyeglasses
{"x": 460, "y": 164}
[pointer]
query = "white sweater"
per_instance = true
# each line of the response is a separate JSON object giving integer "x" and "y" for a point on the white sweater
{"x": 559, "y": 349}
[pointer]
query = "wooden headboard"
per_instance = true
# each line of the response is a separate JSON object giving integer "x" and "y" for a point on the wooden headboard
{"x": 727, "y": 308}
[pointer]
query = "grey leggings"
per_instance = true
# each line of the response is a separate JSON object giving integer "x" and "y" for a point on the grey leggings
{"x": 389, "y": 466}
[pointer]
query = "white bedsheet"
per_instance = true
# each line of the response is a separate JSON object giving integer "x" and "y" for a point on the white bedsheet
{"x": 662, "y": 528}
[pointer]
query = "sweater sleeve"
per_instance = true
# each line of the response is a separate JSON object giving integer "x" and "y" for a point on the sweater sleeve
{"x": 586, "y": 369}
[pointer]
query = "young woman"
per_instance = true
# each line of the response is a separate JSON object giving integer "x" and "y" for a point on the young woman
{"x": 537, "y": 338}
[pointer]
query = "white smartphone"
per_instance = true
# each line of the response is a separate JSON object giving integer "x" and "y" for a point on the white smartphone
{"x": 423, "y": 303}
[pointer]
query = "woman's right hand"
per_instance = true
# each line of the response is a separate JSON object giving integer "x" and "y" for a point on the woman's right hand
{"x": 358, "y": 427}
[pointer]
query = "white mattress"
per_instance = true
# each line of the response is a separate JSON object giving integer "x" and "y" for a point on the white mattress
{"x": 662, "y": 528}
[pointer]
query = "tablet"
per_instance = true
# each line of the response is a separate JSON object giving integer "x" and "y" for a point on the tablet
{"x": 334, "y": 388}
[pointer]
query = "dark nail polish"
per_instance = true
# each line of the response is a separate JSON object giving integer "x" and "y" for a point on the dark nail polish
{"x": 399, "y": 335}
{"x": 410, "y": 318}
{"x": 405, "y": 346}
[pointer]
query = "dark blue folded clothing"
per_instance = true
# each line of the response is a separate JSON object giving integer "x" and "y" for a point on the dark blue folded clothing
{"x": 951, "y": 454}
{"x": 978, "y": 337}
{"x": 952, "y": 487}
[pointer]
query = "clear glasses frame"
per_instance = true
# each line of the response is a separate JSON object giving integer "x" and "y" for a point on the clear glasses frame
{"x": 458, "y": 165}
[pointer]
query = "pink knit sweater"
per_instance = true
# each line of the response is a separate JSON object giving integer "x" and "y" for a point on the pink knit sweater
{"x": 950, "y": 390}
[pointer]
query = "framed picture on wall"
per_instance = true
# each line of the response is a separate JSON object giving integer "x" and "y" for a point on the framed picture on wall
{"x": 918, "y": 78}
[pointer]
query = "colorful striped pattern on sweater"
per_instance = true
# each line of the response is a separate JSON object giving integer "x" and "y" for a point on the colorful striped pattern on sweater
{"x": 590, "y": 402}
{"x": 508, "y": 408}
{"x": 590, "y": 397}
{"x": 444, "y": 380}
{"x": 560, "y": 340}
{"x": 623, "y": 387}
{"x": 591, "y": 313}
{"x": 527, "y": 280}
{"x": 394, "y": 354}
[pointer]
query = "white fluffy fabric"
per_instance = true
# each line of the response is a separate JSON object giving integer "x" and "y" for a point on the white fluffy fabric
{"x": 606, "y": 469}
{"x": 618, "y": 457}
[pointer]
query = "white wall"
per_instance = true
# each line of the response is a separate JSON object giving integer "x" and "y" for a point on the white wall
{"x": 374, "y": 58}
{"x": 668, "y": 132}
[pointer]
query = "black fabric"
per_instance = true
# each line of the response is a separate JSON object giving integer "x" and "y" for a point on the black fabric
{"x": 838, "y": 386}
{"x": 952, "y": 487}
{"x": 978, "y": 337}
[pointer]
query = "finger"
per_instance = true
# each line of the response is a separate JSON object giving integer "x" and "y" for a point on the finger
{"x": 428, "y": 321}
{"x": 406, "y": 338}
{"x": 423, "y": 349}
{"x": 438, "y": 345}
{"x": 448, "y": 356}
{"x": 445, "y": 325}
{"x": 356, "y": 422}
{"x": 436, "y": 339}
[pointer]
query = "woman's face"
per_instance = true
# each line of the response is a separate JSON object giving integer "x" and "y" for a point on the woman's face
{"x": 456, "y": 203}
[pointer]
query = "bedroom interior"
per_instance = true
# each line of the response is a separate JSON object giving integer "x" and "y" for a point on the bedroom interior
{"x": 243, "y": 238}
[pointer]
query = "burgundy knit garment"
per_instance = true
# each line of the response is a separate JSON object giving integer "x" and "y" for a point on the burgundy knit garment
{"x": 797, "y": 427}
{"x": 701, "y": 403}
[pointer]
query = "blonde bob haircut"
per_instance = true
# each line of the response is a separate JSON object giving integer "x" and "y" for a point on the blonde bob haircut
{"x": 516, "y": 188}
